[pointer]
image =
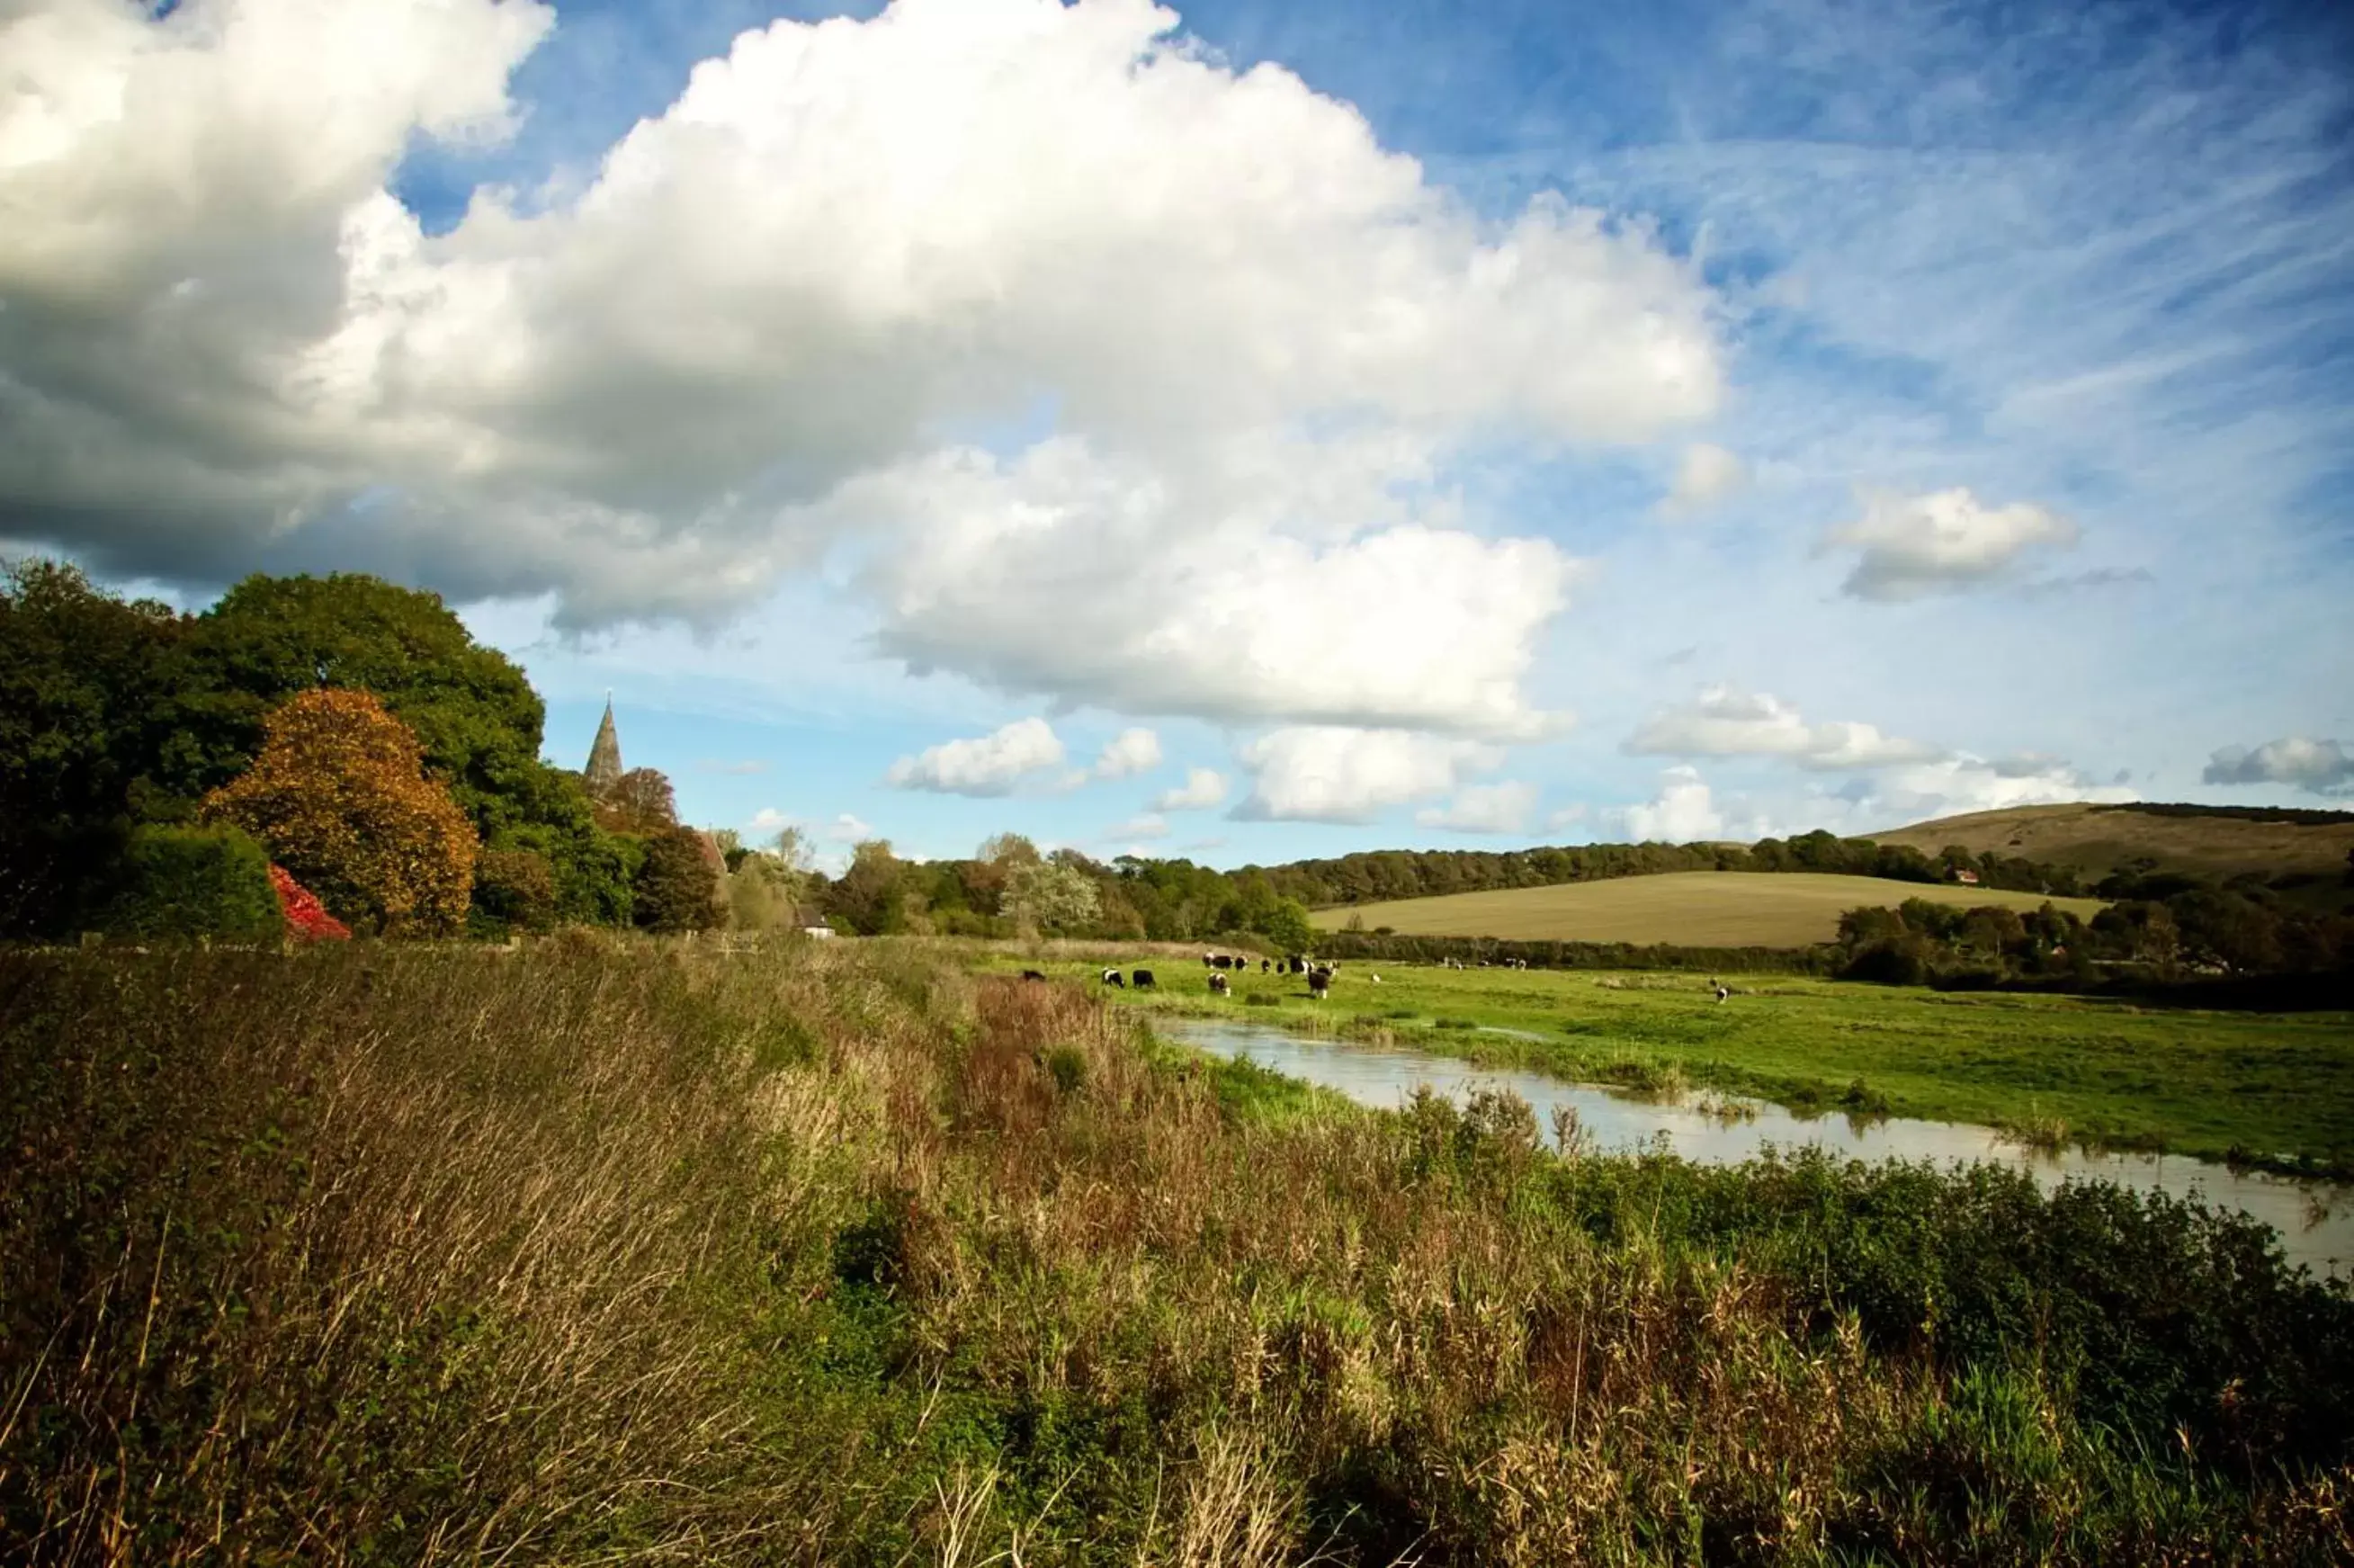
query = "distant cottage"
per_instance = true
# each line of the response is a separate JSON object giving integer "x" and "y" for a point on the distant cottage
{"x": 1966, "y": 878}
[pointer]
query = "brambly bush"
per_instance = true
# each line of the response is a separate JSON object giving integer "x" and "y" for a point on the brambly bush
{"x": 619, "y": 1249}
{"x": 182, "y": 883}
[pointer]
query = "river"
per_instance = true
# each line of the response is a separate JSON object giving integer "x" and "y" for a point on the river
{"x": 2315, "y": 1220}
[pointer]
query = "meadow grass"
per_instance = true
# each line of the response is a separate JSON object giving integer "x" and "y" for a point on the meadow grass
{"x": 2268, "y": 1089}
{"x": 612, "y": 1251}
{"x": 1687, "y": 909}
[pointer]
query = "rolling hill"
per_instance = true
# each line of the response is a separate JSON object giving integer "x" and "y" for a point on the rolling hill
{"x": 1697, "y": 908}
{"x": 2098, "y": 839}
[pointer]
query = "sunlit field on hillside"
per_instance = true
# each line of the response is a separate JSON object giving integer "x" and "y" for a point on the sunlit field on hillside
{"x": 1691, "y": 908}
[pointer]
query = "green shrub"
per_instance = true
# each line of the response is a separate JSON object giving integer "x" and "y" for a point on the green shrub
{"x": 514, "y": 890}
{"x": 1067, "y": 1065}
{"x": 186, "y": 882}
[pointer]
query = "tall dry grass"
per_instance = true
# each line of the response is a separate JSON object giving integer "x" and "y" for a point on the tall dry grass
{"x": 834, "y": 1254}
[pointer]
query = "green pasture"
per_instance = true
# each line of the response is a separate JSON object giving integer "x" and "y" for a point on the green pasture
{"x": 1691, "y": 908}
{"x": 2275, "y": 1090}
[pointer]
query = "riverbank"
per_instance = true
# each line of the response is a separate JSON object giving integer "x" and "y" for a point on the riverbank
{"x": 2314, "y": 1220}
{"x": 2272, "y": 1092}
{"x": 608, "y": 1249}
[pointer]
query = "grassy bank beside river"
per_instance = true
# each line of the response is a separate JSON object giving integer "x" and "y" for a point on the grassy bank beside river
{"x": 2274, "y": 1090}
{"x": 617, "y": 1251}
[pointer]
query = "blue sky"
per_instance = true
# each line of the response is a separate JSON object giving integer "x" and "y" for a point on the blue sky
{"x": 1471, "y": 426}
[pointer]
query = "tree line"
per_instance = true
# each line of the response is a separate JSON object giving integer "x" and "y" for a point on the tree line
{"x": 2204, "y": 934}
{"x": 163, "y": 772}
{"x": 154, "y": 765}
{"x": 1377, "y": 875}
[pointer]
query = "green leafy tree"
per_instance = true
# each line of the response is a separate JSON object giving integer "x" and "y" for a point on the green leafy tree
{"x": 1050, "y": 896}
{"x": 592, "y": 867}
{"x": 868, "y": 896}
{"x": 1287, "y": 924}
{"x": 762, "y": 894}
{"x": 677, "y": 886}
{"x": 188, "y": 883}
{"x": 514, "y": 890}
{"x": 641, "y": 802}
{"x": 474, "y": 715}
{"x": 85, "y": 683}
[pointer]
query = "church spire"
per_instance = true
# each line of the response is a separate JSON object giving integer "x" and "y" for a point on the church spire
{"x": 604, "y": 770}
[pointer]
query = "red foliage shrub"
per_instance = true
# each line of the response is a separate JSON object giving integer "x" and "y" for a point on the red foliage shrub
{"x": 306, "y": 919}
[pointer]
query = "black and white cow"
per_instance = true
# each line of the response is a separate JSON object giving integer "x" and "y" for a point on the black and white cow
{"x": 1111, "y": 977}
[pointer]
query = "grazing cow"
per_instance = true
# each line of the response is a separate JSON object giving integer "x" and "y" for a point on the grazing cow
{"x": 1225, "y": 962}
{"x": 1142, "y": 980}
{"x": 1032, "y": 975}
{"x": 1264, "y": 965}
{"x": 1722, "y": 993}
{"x": 1111, "y": 977}
{"x": 1319, "y": 982}
{"x": 1220, "y": 985}
{"x": 1207, "y": 960}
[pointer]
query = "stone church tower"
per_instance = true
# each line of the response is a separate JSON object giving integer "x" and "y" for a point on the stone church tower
{"x": 604, "y": 770}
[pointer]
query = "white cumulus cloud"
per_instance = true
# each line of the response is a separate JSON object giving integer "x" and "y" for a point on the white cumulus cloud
{"x": 1684, "y": 810}
{"x": 1483, "y": 809}
{"x": 1912, "y": 545}
{"x": 1130, "y": 752}
{"x": 1727, "y": 722}
{"x": 2320, "y": 766}
{"x": 1066, "y": 572}
{"x": 734, "y": 348}
{"x": 1203, "y": 788}
{"x": 1329, "y": 773}
{"x": 989, "y": 764}
{"x": 1962, "y": 784}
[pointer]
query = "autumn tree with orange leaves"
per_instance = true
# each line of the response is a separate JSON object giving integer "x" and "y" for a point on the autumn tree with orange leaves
{"x": 341, "y": 797}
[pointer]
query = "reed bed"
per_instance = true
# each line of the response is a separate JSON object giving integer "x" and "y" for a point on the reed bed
{"x": 610, "y": 1251}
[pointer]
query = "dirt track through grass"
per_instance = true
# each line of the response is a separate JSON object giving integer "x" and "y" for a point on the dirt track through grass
{"x": 1695, "y": 908}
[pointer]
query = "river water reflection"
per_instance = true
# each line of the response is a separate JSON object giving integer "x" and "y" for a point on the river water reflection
{"x": 2316, "y": 1222}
